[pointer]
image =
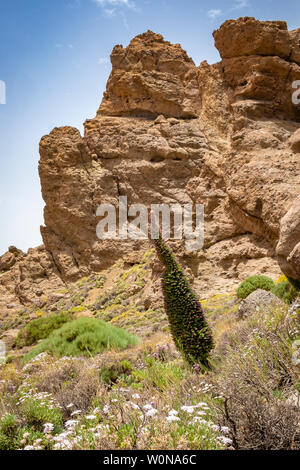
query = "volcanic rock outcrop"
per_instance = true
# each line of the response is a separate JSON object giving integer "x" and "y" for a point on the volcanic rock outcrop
{"x": 167, "y": 131}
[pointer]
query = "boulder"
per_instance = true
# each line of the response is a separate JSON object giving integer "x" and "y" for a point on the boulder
{"x": 7, "y": 261}
{"x": 294, "y": 141}
{"x": 248, "y": 36}
{"x": 288, "y": 247}
{"x": 9, "y": 338}
{"x": 258, "y": 300}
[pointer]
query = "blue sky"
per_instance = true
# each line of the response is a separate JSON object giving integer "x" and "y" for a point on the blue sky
{"x": 54, "y": 60}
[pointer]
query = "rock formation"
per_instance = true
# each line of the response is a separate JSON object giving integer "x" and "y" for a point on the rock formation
{"x": 288, "y": 248}
{"x": 258, "y": 300}
{"x": 167, "y": 131}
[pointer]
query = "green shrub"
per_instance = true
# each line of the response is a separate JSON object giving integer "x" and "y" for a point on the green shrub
{"x": 294, "y": 283}
{"x": 253, "y": 283}
{"x": 84, "y": 337}
{"x": 37, "y": 414}
{"x": 40, "y": 328}
{"x": 188, "y": 325}
{"x": 115, "y": 372}
{"x": 162, "y": 376}
{"x": 285, "y": 291}
{"x": 8, "y": 432}
{"x": 6, "y": 443}
{"x": 9, "y": 425}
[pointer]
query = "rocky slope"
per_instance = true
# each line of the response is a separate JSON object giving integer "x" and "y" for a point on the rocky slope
{"x": 167, "y": 131}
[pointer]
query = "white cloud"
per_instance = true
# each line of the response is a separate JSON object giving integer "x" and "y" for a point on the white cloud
{"x": 114, "y": 3}
{"x": 214, "y": 13}
{"x": 112, "y": 8}
{"x": 240, "y": 4}
{"x": 110, "y": 12}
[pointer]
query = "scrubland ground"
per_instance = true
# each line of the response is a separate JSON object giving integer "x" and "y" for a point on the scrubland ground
{"x": 146, "y": 396}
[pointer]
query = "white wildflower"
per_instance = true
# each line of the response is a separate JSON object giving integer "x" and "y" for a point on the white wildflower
{"x": 48, "y": 428}
{"x": 224, "y": 440}
{"x": 151, "y": 412}
{"x": 172, "y": 418}
{"x": 134, "y": 406}
{"x": 71, "y": 423}
{"x": 147, "y": 407}
{"x": 199, "y": 420}
{"x": 214, "y": 427}
{"x": 225, "y": 430}
{"x": 188, "y": 409}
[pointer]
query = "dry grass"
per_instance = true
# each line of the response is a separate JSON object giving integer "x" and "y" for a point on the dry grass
{"x": 257, "y": 378}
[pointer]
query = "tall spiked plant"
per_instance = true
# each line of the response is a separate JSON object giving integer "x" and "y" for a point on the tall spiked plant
{"x": 188, "y": 325}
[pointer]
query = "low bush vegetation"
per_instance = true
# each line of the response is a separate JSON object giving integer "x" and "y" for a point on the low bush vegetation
{"x": 152, "y": 402}
{"x": 257, "y": 380}
{"x": 90, "y": 385}
{"x": 147, "y": 397}
{"x": 285, "y": 291}
{"x": 253, "y": 283}
{"x": 33, "y": 412}
{"x": 40, "y": 328}
{"x": 118, "y": 371}
{"x": 84, "y": 337}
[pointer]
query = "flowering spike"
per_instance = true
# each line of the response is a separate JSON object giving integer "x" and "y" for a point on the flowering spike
{"x": 189, "y": 328}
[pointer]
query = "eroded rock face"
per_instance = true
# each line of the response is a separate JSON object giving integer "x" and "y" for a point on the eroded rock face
{"x": 65, "y": 165}
{"x": 151, "y": 77}
{"x": 261, "y": 62}
{"x": 288, "y": 248}
{"x": 28, "y": 283}
{"x": 248, "y": 36}
{"x": 225, "y": 135}
{"x": 168, "y": 131}
{"x": 294, "y": 141}
{"x": 7, "y": 261}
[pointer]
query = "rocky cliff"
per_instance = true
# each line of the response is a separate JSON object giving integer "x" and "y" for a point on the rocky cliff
{"x": 225, "y": 135}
